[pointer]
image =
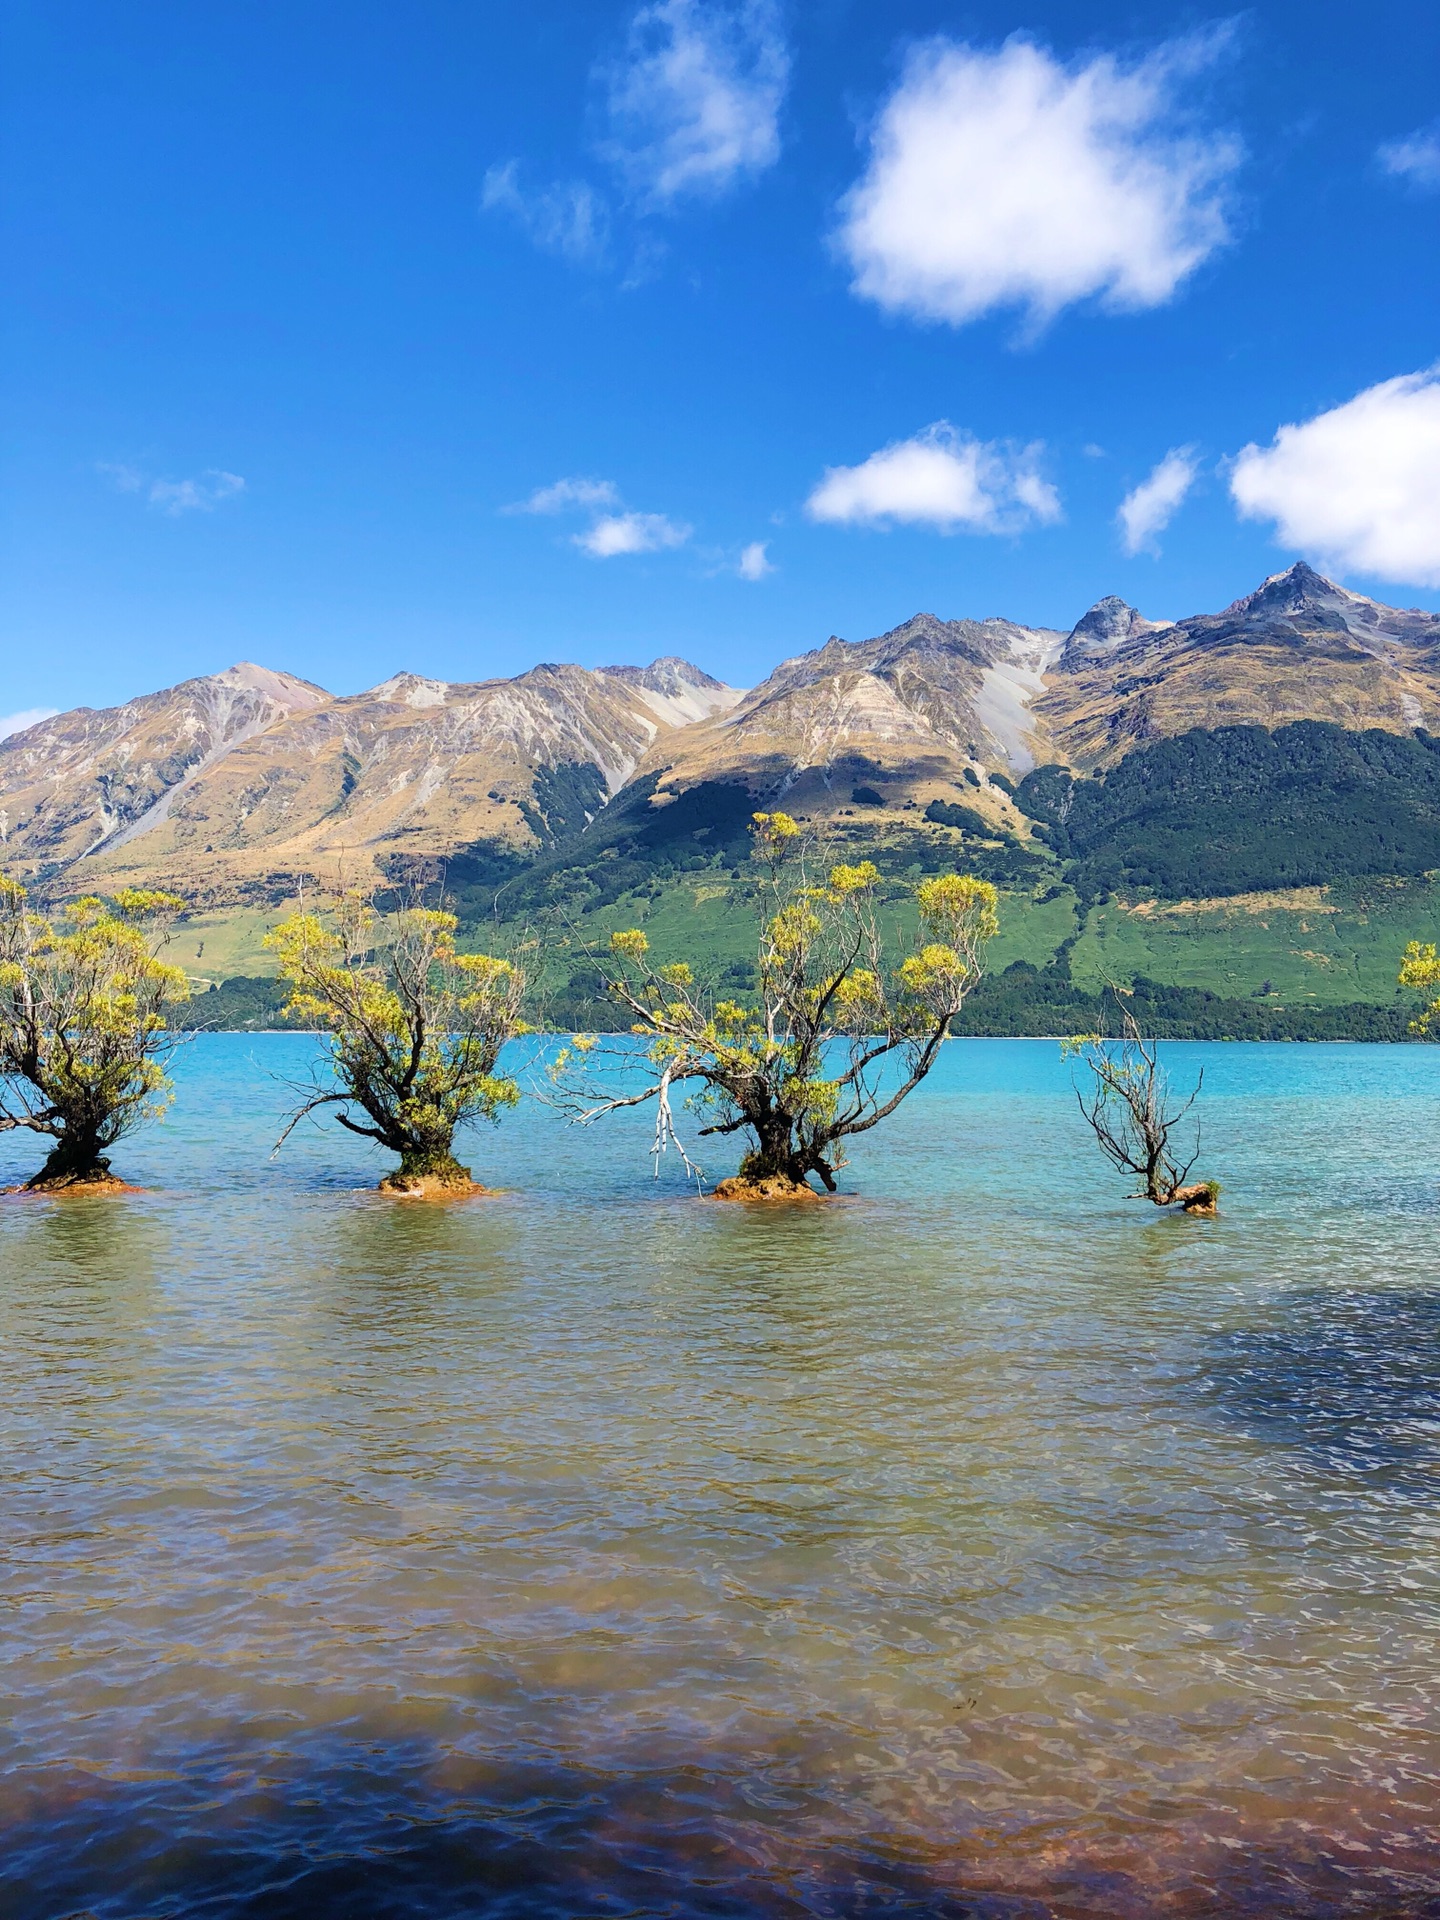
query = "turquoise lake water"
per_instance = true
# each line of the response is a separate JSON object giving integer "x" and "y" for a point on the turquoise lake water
{"x": 979, "y": 1544}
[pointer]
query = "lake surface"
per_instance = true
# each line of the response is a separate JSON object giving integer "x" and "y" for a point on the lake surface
{"x": 981, "y": 1544}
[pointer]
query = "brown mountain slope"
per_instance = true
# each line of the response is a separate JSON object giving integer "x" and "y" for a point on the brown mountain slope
{"x": 92, "y": 780}
{"x": 412, "y": 766}
{"x": 1298, "y": 648}
{"x": 230, "y": 787}
{"x": 909, "y": 710}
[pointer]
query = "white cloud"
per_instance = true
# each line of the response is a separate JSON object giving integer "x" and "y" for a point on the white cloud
{"x": 568, "y": 217}
{"x": 1004, "y": 178}
{"x": 1357, "y": 487}
{"x": 200, "y": 495}
{"x": 29, "y": 717}
{"x": 1416, "y": 158}
{"x": 695, "y": 102}
{"x": 942, "y": 479}
{"x": 617, "y": 533}
{"x": 195, "y": 496}
{"x": 754, "y": 562}
{"x": 562, "y": 495}
{"x": 1149, "y": 508}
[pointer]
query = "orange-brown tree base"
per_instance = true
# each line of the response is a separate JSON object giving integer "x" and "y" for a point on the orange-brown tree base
{"x": 430, "y": 1186}
{"x": 76, "y": 1184}
{"x": 765, "y": 1186}
{"x": 1197, "y": 1199}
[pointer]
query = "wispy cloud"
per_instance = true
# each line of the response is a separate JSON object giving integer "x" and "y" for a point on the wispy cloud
{"x": 201, "y": 494}
{"x": 694, "y": 104}
{"x": 618, "y": 533}
{"x": 1005, "y": 178}
{"x": 561, "y": 496}
{"x": 689, "y": 110}
{"x": 27, "y": 717}
{"x": 754, "y": 562}
{"x": 1148, "y": 509}
{"x": 941, "y": 478}
{"x": 568, "y": 217}
{"x": 1415, "y": 158}
{"x": 1357, "y": 487}
{"x": 610, "y": 534}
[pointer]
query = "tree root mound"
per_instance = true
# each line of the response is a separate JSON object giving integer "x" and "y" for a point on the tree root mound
{"x": 1201, "y": 1198}
{"x": 76, "y": 1185}
{"x": 430, "y": 1186}
{"x": 768, "y": 1187}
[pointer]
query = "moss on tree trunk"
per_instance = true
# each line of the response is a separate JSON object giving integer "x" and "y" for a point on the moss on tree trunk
{"x": 428, "y": 1169}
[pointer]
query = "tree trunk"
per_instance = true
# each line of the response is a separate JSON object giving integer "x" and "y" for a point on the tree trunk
{"x": 74, "y": 1161}
{"x": 428, "y": 1169}
{"x": 774, "y": 1168}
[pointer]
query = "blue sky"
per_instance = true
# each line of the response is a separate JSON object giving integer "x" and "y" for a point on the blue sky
{"x": 454, "y": 337}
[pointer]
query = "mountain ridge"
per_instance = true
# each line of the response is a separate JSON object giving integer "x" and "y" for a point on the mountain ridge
{"x": 237, "y": 785}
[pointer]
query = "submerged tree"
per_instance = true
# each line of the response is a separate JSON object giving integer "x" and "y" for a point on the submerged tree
{"x": 417, "y": 1025}
{"x": 82, "y": 1025}
{"x": 1421, "y": 968}
{"x": 1133, "y": 1114}
{"x": 833, "y": 1040}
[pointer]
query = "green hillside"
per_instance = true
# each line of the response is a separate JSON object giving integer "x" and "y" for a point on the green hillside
{"x": 1253, "y": 882}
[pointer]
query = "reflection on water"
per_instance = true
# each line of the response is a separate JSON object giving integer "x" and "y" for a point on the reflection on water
{"x": 983, "y": 1544}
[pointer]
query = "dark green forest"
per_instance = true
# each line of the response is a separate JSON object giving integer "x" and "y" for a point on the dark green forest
{"x": 1239, "y": 810}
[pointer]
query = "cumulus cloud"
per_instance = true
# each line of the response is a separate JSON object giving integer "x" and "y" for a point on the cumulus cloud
{"x": 200, "y": 495}
{"x": 28, "y": 717}
{"x": 754, "y": 562}
{"x": 943, "y": 479}
{"x": 1357, "y": 487}
{"x": 694, "y": 104}
{"x": 1006, "y": 179}
{"x": 1149, "y": 508}
{"x": 1416, "y": 158}
{"x": 613, "y": 528}
{"x": 563, "y": 495}
{"x": 568, "y": 217}
{"x": 618, "y": 533}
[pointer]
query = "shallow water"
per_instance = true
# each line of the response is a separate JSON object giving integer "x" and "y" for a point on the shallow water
{"x": 980, "y": 1544}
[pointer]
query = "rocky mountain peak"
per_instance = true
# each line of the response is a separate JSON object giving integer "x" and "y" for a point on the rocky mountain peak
{"x": 1298, "y": 589}
{"x": 285, "y": 689}
{"x": 1304, "y": 601}
{"x": 1110, "y": 624}
{"x": 677, "y": 692}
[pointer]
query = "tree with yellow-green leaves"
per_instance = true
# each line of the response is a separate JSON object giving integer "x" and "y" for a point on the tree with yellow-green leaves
{"x": 835, "y": 1038}
{"x": 1420, "y": 968}
{"x": 83, "y": 1035}
{"x": 417, "y": 1030}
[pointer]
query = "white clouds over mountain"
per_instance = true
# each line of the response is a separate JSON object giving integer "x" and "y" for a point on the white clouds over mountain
{"x": 694, "y": 105}
{"x": 1006, "y": 179}
{"x": 943, "y": 479}
{"x": 1149, "y": 508}
{"x": 1357, "y": 487}
{"x": 30, "y": 717}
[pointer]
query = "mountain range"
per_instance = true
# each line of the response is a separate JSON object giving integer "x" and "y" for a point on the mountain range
{"x": 237, "y": 786}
